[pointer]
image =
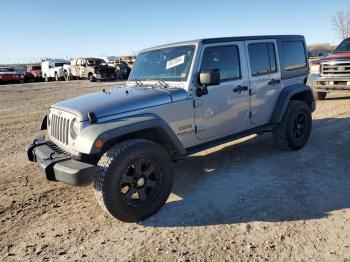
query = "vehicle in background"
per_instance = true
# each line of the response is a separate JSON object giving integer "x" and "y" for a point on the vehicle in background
{"x": 122, "y": 68}
{"x": 35, "y": 70}
{"x": 52, "y": 69}
{"x": 10, "y": 75}
{"x": 130, "y": 60}
{"x": 109, "y": 60}
{"x": 91, "y": 68}
{"x": 33, "y": 73}
{"x": 180, "y": 99}
{"x": 315, "y": 54}
{"x": 332, "y": 72}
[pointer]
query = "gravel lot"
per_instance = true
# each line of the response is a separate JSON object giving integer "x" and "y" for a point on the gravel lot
{"x": 242, "y": 201}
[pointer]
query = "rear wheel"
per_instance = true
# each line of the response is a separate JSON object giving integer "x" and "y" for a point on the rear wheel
{"x": 294, "y": 130}
{"x": 134, "y": 179}
{"x": 320, "y": 95}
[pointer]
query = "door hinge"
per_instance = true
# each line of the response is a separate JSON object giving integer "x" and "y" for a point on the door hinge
{"x": 197, "y": 103}
{"x": 250, "y": 92}
{"x": 250, "y": 114}
{"x": 195, "y": 128}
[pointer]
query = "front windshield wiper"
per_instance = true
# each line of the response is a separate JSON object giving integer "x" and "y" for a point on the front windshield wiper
{"x": 162, "y": 83}
{"x": 137, "y": 82}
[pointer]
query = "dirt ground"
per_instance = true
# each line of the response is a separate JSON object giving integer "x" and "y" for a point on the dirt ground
{"x": 242, "y": 201}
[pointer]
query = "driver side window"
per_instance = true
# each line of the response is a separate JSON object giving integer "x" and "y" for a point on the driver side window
{"x": 224, "y": 58}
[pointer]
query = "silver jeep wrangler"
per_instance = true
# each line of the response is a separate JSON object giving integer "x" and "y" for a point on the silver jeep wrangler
{"x": 179, "y": 99}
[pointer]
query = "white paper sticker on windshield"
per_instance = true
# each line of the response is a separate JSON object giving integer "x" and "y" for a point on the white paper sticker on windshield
{"x": 175, "y": 62}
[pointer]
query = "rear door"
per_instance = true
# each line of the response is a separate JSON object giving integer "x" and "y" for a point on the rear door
{"x": 225, "y": 109}
{"x": 264, "y": 79}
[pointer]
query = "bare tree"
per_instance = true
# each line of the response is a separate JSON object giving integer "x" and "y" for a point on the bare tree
{"x": 341, "y": 23}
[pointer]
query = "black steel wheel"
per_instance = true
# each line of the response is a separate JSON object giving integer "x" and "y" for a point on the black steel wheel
{"x": 140, "y": 182}
{"x": 294, "y": 130}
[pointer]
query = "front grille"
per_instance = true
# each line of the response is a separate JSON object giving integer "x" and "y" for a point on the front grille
{"x": 59, "y": 129}
{"x": 336, "y": 69}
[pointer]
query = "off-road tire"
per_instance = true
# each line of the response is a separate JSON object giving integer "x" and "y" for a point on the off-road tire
{"x": 92, "y": 78}
{"x": 284, "y": 133}
{"x": 115, "y": 163}
{"x": 320, "y": 95}
{"x": 56, "y": 77}
{"x": 66, "y": 75}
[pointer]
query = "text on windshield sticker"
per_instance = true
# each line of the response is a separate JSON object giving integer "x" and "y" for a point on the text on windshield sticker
{"x": 175, "y": 62}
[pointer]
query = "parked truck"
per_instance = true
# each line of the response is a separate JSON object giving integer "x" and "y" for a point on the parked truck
{"x": 332, "y": 72}
{"x": 91, "y": 68}
{"x": 52, "y": 69}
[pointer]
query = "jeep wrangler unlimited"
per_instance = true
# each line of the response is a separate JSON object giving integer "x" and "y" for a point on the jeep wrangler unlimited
{"x": 179, "y": 99}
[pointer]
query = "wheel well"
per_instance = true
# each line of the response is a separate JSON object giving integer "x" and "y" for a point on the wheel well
{"x": 89, "y": 74}
{"x": 305, "y": 96}
{"x": 153, "y": 134}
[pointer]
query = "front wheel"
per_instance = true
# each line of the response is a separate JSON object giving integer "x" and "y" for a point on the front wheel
{"x": 66, "y": 76}
{"x": 92, "y": 78}
{"x": 133, "y": 180}
{"x": 56, "y": 77}
{"x": 294, "y": 130}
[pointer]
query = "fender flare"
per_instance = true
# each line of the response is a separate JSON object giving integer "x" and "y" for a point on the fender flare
{"x": 112, "y": 130}
{"x": 285, "y": 96}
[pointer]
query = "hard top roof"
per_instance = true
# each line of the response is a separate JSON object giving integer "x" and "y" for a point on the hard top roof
{"x": 228, "y": 39}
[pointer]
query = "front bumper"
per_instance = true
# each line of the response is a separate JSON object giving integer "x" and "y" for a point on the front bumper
{"x": 59, "y": 166}
{"x": 329, "y": 83}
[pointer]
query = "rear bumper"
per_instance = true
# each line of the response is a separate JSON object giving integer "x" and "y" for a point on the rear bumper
{"x": 58, "y": 166}
{"x": 329, "y": 84}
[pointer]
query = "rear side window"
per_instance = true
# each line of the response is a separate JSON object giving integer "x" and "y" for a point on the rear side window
{"x": 262, "y": 58}
{"x": 224, "y": 58}
{"x": 293, "y": 55}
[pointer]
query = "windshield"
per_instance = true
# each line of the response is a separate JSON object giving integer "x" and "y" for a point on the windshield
{"x": 36, "y": 67}
{"x": 111, "y": 58}
{"x": 172, "y": 63}
{"x": 343, "y": 47}
{"x": 7, "y": 69}
{"x": 59, "y": 64}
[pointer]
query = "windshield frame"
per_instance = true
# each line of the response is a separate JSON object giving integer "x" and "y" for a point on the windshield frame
{"x": 336, "y": 51}
{"x": 190, "y": 67}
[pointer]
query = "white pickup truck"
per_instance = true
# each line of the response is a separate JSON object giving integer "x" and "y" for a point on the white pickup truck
{"x": 53, "y": 69}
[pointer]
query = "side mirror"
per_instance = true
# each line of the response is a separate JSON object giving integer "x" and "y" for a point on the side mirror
{"x": 207, "y": 78}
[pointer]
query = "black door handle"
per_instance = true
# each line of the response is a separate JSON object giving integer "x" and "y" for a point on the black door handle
{"x": 239, "y": 89}
{"x": 274, "y": 82}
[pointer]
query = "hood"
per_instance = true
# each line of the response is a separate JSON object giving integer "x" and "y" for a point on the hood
{"x": 337, "y": 56}
{"x": 120, "y": 100}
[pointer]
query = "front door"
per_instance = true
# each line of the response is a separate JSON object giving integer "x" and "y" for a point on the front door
{"x": 225, "y": 109}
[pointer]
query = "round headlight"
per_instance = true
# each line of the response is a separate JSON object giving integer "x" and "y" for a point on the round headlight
{"x": 74, "y": 128}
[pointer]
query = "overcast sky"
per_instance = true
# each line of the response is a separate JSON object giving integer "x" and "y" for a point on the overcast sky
{"x": 31, "y": 30}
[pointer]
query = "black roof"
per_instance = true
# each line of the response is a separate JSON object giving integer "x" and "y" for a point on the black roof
{"x": 245, "y": 38}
